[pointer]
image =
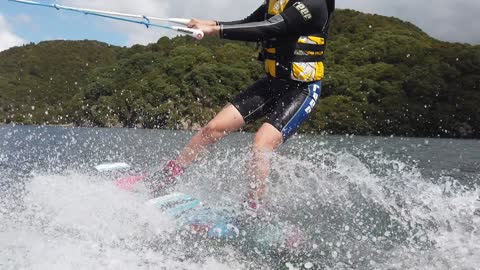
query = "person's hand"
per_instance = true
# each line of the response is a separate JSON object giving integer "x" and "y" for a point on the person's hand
{"x": 196, "y": 22}
{"x": 208, "y": 30}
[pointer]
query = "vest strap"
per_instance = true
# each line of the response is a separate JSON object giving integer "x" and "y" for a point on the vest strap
{"x": 310, "y": 47}
{"x": 298, "y": 46}
{"x": 292, "y": 59}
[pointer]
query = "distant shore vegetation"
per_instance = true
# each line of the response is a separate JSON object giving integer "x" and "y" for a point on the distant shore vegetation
{"x": 383, "y": 77}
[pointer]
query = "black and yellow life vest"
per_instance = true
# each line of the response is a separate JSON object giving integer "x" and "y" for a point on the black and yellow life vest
{"x": 298, "y": 58}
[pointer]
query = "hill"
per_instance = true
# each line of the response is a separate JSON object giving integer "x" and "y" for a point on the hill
{"x": 384, "y": 77}
{"x": 37, "y": 80}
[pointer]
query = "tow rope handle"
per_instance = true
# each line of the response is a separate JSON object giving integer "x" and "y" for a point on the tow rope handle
{"x": 195, "y": 33}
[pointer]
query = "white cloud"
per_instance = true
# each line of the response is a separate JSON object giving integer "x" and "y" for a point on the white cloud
{"x": 7, "y": 38}
{"x": 214, "y": 9}
{"x": 135, "y": 33}
{"x": 443, "y": 19}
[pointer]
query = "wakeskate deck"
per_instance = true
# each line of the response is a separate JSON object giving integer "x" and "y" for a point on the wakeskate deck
{"x": 192, "y": 214}
{"x": 187, "y": 211}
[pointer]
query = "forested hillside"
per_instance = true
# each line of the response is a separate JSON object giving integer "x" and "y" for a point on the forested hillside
{"x": 384, "y": 77}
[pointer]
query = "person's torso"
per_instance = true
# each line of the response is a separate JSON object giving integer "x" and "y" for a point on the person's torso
{"x": 298, "y": 56}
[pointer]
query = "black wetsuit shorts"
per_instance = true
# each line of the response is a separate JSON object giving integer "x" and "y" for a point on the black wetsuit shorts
{"x": 286, "y": 104}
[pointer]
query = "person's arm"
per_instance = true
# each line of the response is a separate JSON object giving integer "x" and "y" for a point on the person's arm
{"x": 212, "y": 28}
{"x": 257, "y": 15}
{"x": 293, "y": 20}
{"x": 255, "y": 31}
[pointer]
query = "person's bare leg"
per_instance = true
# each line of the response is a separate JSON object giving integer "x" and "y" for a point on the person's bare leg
{"x": 227, "y": 120}
{"x": 267, "y": 139}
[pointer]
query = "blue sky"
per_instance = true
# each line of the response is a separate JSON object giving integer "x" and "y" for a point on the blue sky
{"x": 443, "y": 19}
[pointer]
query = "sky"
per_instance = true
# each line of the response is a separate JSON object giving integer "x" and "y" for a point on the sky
{"x": 19, "y": 24}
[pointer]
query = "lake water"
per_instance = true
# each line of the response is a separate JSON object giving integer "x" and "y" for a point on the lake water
{"x": 364, "y": 202}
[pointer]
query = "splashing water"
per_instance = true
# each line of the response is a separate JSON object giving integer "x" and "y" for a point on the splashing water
{"x": 361, "y": 203}
{"x": 75, "y": 221}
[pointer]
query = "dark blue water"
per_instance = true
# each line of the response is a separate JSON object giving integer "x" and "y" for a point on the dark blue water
{"x": 364, "y": 202}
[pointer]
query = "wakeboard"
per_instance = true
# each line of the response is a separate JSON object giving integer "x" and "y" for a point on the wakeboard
{"x": 193, "y": 215}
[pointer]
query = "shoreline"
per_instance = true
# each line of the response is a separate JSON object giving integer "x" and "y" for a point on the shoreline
{"x": 325, "y": 134}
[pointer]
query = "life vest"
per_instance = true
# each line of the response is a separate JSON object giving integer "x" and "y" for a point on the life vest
{"x": 298, "y": 58}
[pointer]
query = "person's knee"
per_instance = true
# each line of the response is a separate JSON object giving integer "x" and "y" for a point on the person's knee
{"x": 263, "y": 144}
{"x": 212, "y": 132}
{"x": 267, "y": 139}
